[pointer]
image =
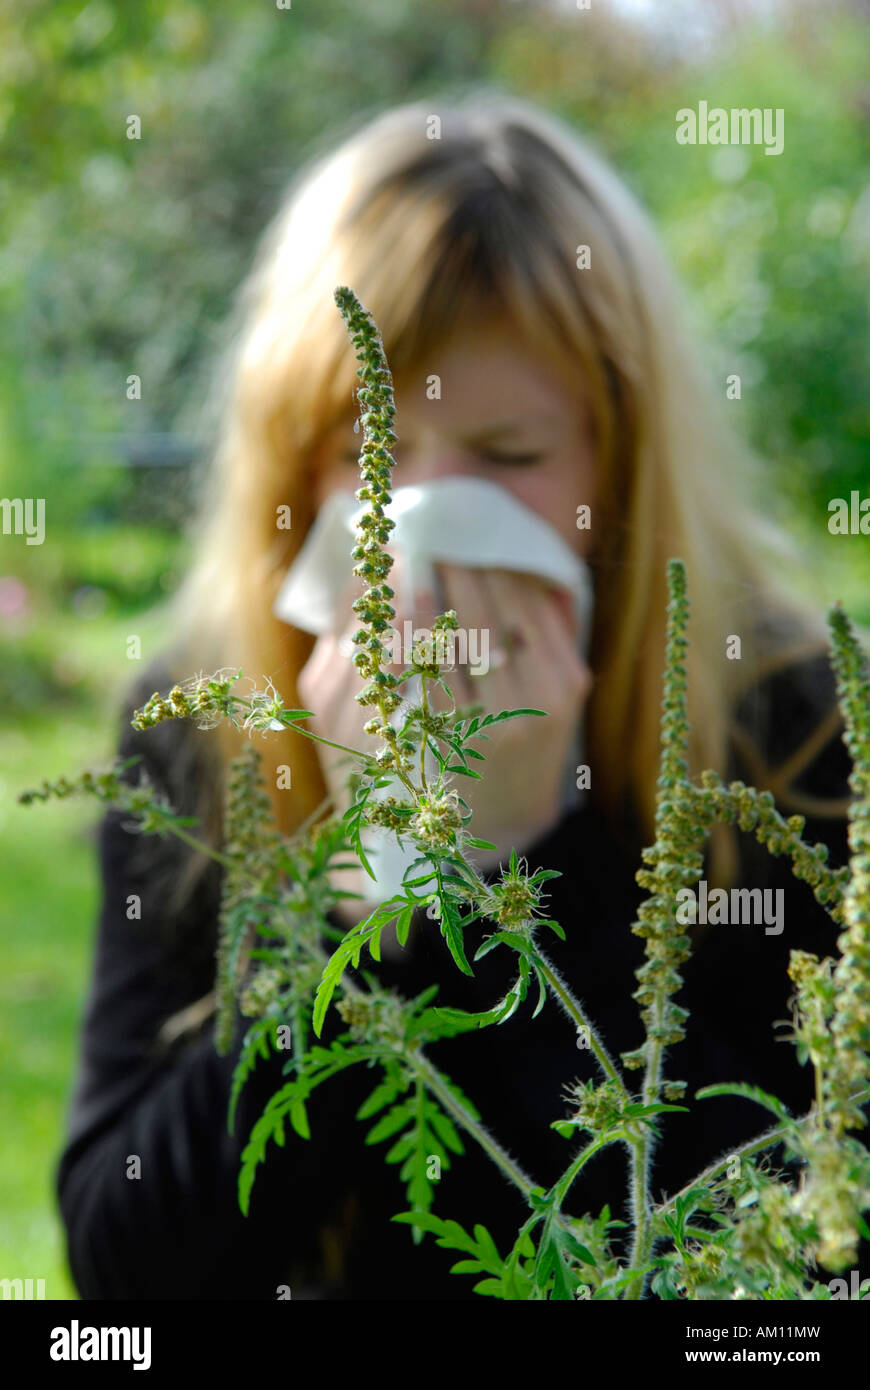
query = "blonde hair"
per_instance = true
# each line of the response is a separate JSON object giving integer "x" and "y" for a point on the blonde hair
{"x": 428, "y": 219}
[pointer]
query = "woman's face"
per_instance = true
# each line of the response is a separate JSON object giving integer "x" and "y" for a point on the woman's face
{"x": 504, "y": 414}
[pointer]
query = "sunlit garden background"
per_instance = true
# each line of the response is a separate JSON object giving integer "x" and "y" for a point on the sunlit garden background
{"x": 121, "y": 256}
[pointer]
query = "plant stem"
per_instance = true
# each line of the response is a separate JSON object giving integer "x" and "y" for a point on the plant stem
{"x": 424, "y": 703}
{"x": 641, "y": 1215}
{"x": 342, "y": 747}
{"x": 225, "y": 859}
{"x": 563, "y": 1185}
{"x": 575, "y": 1011}
{"x": 763, "y": 1141}
{"x": 437, "y": 1085}
{"x": 641, "y": 1155}
{"x": 299, "y": 832}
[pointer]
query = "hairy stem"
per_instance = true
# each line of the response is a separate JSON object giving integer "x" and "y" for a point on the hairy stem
{"x": 575, "y": 1011}
{"x": 439, "y": 1088}
{"x": 764, "y": 1141}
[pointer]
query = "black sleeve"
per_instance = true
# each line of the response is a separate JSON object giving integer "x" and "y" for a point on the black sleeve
{"x": 175, "y": 1231}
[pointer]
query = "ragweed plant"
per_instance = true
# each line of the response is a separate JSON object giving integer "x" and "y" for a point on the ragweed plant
{"x": 741, "y": 1229}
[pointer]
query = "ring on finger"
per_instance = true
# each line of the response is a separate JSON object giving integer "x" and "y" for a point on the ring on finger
{"x": 512, "y": 641}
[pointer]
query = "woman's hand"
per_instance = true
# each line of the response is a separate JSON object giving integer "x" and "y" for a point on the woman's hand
{"x": 527, "y": 630}
{"x": 328, "y": 684}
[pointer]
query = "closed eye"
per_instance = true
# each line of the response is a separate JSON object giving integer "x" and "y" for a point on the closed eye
{"x": 492, "y": 456}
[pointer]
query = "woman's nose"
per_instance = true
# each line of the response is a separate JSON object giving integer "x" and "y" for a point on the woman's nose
{"x": 428, "y": 465}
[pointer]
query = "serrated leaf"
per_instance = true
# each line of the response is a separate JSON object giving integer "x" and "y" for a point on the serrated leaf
{"x": 487, "y": 1246}
{"x": 254, "y": 1045}
{"x": 451, "y": 932}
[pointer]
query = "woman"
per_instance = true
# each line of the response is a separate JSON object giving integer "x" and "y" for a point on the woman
{"x": 496, "y": 251}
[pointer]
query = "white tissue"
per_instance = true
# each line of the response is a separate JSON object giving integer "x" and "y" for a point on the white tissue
{"x": 460, "y": 521}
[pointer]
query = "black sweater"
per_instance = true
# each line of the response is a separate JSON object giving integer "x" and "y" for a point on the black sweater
{"x": 319, "y": 1219}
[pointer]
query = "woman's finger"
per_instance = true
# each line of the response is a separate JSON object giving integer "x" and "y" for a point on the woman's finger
{"x": 546, "y": 654}
{"x": 464, "y": 592}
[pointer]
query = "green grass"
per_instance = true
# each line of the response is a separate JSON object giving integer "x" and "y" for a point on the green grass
{"x": 51, "y": 890}
{"x": 47, "y": 918}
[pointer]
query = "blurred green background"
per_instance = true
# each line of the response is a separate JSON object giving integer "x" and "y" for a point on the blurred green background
{"x": 123, "y": 256}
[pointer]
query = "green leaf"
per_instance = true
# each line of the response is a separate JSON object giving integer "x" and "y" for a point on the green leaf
{"x": 417, "y": 863}
{"x": 425, "y": 995}
{"x": 451, "y": 929}
{"x": 541, "y": 875}
{"x": 740, "y": 1088}
{"x": 299, "y": 1119}
{"x": 367, "y": 933}
{"x": 635, "y": 1111}
{"x": 400, "y": 1150}
{"x": 542, "y": 990}
{"x": 579, "y": 1251}
{"x": 502, "y": 938}
{"x": 427, "y": 1221}
{"x": 487, "y": 1245}
{"x": 447, "y": 1131}
{"x": 319, "y": 1064}
{"x": 390, "y": 1124}
{"x": 490, "y": 719}
{"x": 554, "y": 926}
{"x": 269, "y": 1126}
{"x": 493, "y": 1287}
{"x": 567, "y": 1128}
{"x": 552, "y": 1259}
{"x": 254, "y": 1045}
{"x": 451, "y": 1022}
{"x": 382, "y": 1095}
{"x": 403, "y": 925}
